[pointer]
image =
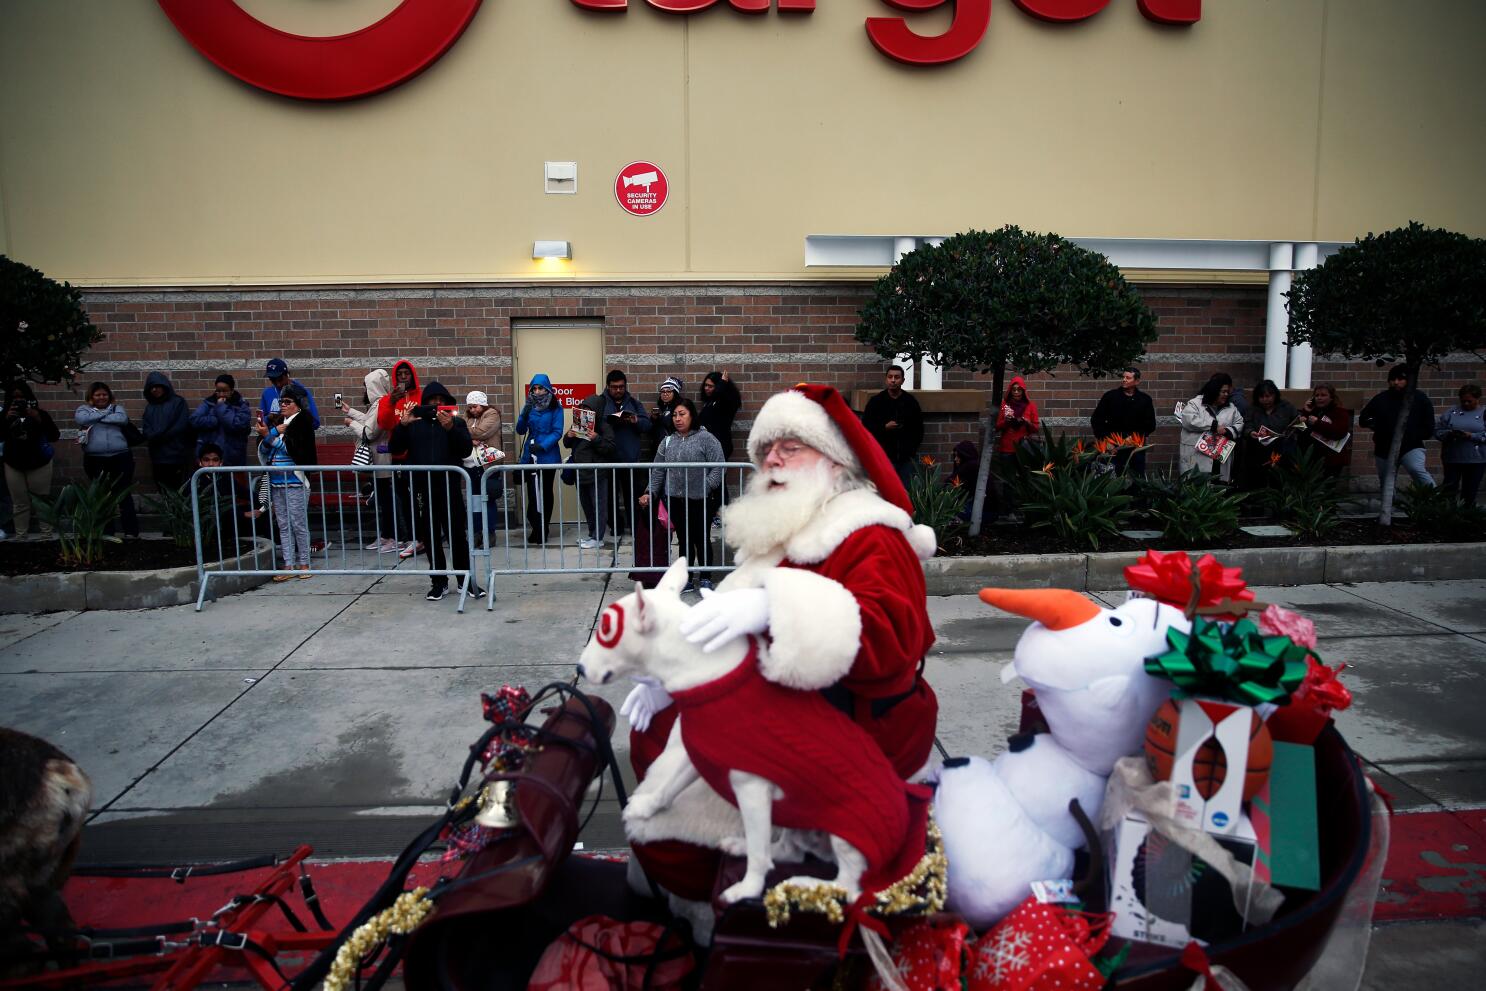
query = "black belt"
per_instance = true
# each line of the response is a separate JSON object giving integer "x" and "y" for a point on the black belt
{"x": 844, "y": 699}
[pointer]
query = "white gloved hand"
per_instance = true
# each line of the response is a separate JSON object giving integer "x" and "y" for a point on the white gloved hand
{"x": 643, "y": 702}
{"x": 722, "y": 617}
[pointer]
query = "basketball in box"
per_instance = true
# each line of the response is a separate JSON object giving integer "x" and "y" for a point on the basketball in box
{"x": 1160, "y": 893}
{"x": 1221, "y": 757}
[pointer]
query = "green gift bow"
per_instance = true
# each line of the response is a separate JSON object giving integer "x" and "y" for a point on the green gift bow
{"x": 1236, "y": 663}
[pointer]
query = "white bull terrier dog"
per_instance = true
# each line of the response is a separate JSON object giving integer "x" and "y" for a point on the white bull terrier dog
{"x": 1006, "y": 823}
{"x": 781, "y": 755}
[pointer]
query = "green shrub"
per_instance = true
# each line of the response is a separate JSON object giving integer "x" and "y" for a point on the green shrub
{"x": 80, "y": 513}
{"x": 1192, "y": 509}
{"x": 1079, "y": 504}
{"x": 1300, "y": 496}
{"x": 1439, "y": 513}
{"x": 935, "y": 504}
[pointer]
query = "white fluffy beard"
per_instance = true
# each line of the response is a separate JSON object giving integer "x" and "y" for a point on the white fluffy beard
{"x": 780, "y": 503}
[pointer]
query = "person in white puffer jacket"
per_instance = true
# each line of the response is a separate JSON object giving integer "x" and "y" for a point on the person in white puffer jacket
{"x": 1210, "y": 411}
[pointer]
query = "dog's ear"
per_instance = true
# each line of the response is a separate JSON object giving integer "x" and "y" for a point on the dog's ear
{"x": 674, "y": 580}
{"x": 644, "y": 618}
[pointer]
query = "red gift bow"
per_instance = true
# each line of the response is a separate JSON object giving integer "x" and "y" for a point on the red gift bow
{"x": 1167, "y": 577}
{"x": 1322, "y": 690}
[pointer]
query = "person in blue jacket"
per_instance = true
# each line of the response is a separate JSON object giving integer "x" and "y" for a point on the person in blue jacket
{"x": 167, "y": 429}
{"x": 541, "y": 422}
{"x": 224, "y": 419}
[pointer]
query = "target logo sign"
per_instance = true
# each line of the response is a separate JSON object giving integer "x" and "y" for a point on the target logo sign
{"x": 343, "y": 67}
{"x": 641, "y": 188}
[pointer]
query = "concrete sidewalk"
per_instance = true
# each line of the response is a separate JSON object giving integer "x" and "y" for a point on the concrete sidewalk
{"x": 337, "y": 711}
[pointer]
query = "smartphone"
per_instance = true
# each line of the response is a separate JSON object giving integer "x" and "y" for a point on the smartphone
{"x": 451, "y": 410}
{"x": 337, "y": 398}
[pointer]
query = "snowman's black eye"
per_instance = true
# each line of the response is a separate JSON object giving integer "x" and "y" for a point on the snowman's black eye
{"x": 1114, "y": 621}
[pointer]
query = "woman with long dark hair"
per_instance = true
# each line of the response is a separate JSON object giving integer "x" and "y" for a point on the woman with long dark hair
{"x": 686, "y": 490}
{"x": 1211, "y": 411}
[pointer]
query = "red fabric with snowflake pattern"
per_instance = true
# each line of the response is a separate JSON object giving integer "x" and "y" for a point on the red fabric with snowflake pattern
{"x": 929, "y": 957}
{"x": 1039, "y": 948}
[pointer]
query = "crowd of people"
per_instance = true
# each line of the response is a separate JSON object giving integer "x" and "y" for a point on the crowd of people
{"x": 1235, "y": 435}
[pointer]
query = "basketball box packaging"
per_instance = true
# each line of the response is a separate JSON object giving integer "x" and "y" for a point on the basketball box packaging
{"x": 1207, "y": 798}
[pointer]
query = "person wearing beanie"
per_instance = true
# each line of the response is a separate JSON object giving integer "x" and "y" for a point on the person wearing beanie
{"x": 430, "y": 434}
{"x": 224, "y": 419}
{"x": 484, "y": 423}
{"x": 665, "y": 409}
{"x": 894, "y": 418}
{"x": 830, "y": 572}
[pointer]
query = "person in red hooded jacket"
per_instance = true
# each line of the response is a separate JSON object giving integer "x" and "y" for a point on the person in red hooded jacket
{"x": 1016, "y": 422}
{"x": 405, "y": 395}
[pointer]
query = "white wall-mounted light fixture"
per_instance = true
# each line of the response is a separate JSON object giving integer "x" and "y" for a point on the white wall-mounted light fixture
{"x": 552, "y": 249}
{"x": 560, "y": 177}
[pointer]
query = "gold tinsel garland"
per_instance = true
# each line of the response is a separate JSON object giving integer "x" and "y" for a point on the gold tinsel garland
{"x": 923, "y": 889}
{"x": 405, "y": 915}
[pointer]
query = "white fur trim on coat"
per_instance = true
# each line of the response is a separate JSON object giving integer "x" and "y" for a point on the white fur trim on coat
{"x": 840, "y": 518}
{"x": 792, "y": 414}
{"x": 815, "y": 626}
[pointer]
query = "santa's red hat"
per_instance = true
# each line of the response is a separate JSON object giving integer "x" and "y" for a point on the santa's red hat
{"x": 817, "y": 415}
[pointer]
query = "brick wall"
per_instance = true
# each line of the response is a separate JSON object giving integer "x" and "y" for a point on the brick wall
{"x": 767, "y": 336}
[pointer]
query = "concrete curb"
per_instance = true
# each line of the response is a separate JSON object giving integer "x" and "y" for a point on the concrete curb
{"x": 1261, "y": 566}
{"x": 81, "y": 590}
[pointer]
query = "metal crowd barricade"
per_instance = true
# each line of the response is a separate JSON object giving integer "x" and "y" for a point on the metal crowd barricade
{"x": 602, "y": 502}
{"x": 231, "y": 505}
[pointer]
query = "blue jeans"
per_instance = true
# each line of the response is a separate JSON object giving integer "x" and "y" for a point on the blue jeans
{"x": 1411, "y": 462}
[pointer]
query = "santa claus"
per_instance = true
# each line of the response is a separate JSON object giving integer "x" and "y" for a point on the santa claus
{"x": 829, "y": 570}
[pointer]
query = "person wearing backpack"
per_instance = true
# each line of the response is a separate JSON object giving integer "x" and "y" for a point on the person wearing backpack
{"x": 593, "y": 446}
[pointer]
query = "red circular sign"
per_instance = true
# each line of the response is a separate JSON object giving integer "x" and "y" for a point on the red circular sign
{"x": 641, "y": 188}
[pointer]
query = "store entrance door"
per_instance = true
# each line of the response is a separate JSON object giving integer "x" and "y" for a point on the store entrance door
{"x": 571, "y": 354}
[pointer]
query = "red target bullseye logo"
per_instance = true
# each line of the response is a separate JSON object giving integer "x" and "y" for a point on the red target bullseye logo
{"x": 611, "y": 627}
{"x": 342, "y": 67}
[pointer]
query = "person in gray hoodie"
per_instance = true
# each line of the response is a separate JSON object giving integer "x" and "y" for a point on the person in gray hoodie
{"x": 167, "y": 430}
{"x": 1462, "y": 433}
{"x": 100, "y": 425}
{"x": 685, "y": 491}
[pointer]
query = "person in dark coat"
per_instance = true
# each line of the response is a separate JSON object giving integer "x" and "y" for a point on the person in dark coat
{"x": 1267, "y": 431}
{"x": 427, "y": 435}
{"x": 167, "y": 430}
{"x": 662, "y": 424}
{"x": 1128, "y": 412}
{"x": 631, "y": 426}
{"x": 29, "y": 438}
{"x": 225, "y": 419}
{"x": 964, "y": 469}
{"x": 718, "y": 407}
{"x": 894, "y": 418}
{"x": 1381, "y": 415}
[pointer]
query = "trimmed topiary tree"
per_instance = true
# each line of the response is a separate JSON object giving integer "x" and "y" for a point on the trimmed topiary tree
{"x": 1411, "y": 295}
{"x": 44, "y": 328}
{"x": 986, "y": 301}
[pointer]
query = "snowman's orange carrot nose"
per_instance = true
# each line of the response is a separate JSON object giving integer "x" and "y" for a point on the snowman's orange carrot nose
{"x": 1054, "y": 608}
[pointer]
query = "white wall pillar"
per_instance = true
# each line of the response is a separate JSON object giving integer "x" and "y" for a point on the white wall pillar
{"x": 901, "y": 247}
{"x": 1300, "y": 354}
{"x": 1277, "y": 321}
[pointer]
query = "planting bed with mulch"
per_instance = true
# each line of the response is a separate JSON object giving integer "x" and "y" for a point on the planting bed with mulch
{"x": 1016, "y": 538}
{"x": 40, "y": 557}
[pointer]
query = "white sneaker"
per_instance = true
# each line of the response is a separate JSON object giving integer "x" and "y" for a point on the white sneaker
{"x": 588, "y": 543}
{"x": 410, "y": 550}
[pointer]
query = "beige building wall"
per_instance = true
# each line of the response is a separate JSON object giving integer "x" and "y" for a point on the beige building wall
{"x": 127, "y": 158}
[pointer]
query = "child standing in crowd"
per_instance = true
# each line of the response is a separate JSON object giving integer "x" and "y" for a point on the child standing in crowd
{"x": 290, "y": 443}
{"x": 106, "y": 450}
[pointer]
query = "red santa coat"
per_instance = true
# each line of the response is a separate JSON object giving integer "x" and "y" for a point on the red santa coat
{"x": 831, "y": 774}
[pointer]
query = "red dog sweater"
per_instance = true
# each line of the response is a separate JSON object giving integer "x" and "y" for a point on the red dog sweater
{"x": 833, "y": 775}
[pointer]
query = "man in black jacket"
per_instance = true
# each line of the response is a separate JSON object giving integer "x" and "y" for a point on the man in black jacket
{"x": 1381, "y": 414}
{"x": 894, "y": 418}
{"x": 430, "y": 434}
{"x": 1126, "y": 411}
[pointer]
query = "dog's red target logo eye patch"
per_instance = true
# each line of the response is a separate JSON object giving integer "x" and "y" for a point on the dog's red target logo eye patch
{"x": 343, "y": 67}
{"x": 611, "y": 627}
